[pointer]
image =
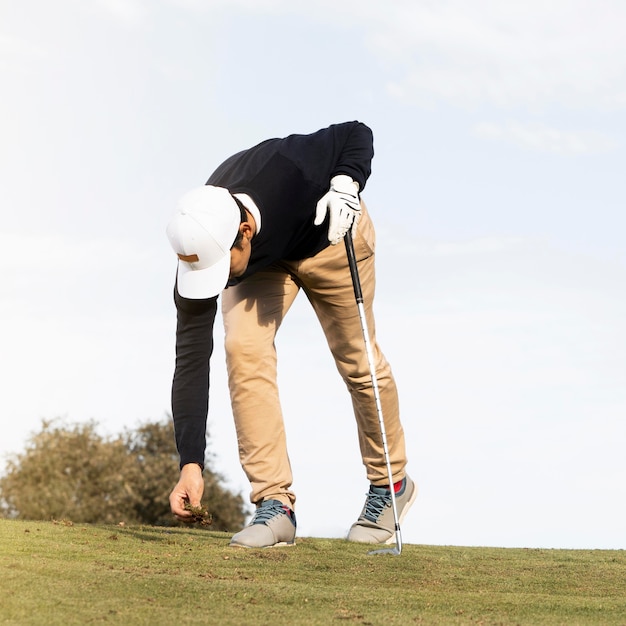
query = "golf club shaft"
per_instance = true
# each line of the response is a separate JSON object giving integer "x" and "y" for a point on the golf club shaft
{"x": 358, "y": 294}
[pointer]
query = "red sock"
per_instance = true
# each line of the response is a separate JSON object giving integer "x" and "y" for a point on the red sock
{"x": 396, "y": 486}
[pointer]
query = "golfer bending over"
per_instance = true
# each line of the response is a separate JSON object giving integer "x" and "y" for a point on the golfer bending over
{"x": 264, "y": 226}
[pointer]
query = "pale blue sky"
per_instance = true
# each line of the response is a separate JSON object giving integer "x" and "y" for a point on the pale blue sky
{"x": 498, "y": 195}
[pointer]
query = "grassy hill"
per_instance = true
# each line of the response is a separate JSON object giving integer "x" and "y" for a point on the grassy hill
{"x": 61, "y": 573}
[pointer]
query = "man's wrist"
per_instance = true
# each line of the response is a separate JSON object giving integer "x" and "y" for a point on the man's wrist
{"x": 191, "y": 465}
{"x": 343, "y": 182}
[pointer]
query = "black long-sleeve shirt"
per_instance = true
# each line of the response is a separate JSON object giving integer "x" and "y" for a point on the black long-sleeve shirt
{"x": 285, "y": 178}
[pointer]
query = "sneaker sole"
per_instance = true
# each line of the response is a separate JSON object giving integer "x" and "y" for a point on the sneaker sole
{"x": 280, "y": 544}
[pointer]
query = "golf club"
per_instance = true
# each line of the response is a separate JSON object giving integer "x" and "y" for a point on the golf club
{"x": 356, "y": 283}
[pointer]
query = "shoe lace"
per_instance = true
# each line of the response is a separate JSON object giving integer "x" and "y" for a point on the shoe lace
{"x": 268, "y": 510}
{"x": 375, "y": 504}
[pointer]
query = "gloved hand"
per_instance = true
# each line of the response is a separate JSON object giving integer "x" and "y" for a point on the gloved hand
{"x": 343, "y": 205}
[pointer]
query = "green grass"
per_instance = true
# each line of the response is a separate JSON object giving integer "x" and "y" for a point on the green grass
{"x": 59, "y": 573}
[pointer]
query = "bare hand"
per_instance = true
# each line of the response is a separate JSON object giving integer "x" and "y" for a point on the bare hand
{"x": 188, "y": 491}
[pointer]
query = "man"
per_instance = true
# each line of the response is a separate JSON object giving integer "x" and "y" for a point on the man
{"x": 267, "y": 223}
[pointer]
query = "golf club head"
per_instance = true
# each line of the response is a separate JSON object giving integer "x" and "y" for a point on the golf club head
{"x": 395, "y": 551}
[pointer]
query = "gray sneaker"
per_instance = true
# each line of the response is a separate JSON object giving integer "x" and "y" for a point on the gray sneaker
{"x": 273, "y": 524}
{"x": 375, "y": 524}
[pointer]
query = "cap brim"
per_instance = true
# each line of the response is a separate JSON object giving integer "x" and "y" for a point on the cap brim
{"x": 201, "y": 284}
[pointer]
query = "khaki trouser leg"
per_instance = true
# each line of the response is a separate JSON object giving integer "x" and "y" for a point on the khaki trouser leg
{"x": 253, "y": 312}
{"x": 327, "y": 282}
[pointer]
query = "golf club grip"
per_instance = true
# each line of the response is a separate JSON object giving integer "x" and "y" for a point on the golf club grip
{"x": 356, "y": 283}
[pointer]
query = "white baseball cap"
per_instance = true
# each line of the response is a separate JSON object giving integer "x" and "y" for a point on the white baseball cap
{"x": 202, "y": 232}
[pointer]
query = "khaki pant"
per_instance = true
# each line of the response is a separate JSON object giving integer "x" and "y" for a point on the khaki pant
{"x": 253, "y": 312}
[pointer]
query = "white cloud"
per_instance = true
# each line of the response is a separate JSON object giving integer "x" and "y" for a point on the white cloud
{"x": 546, "y": 139}
{"x": 259, "y": 6}
{"x": 53, "y": 253}
{"x": 56, "y": 276}
{"x": 479, "y": 245}
{"x": 175, "y": 71}
{"x": 19, "y": 47}
{"x": 17, "y": 53}
{"x": 531, "y": 54}
{"x": 128, "y": 12}
{"x": 508, "y": 54}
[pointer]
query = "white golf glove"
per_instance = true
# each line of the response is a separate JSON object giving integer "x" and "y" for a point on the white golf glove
{"x": 343, "y": 205}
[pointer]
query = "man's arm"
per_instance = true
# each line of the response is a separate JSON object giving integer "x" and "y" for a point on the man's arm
{"x": 346, "y": 148}
{"x": 357, "y": 152}
{"x": 190, "y": 396}
{"x": 348, "y": 175}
